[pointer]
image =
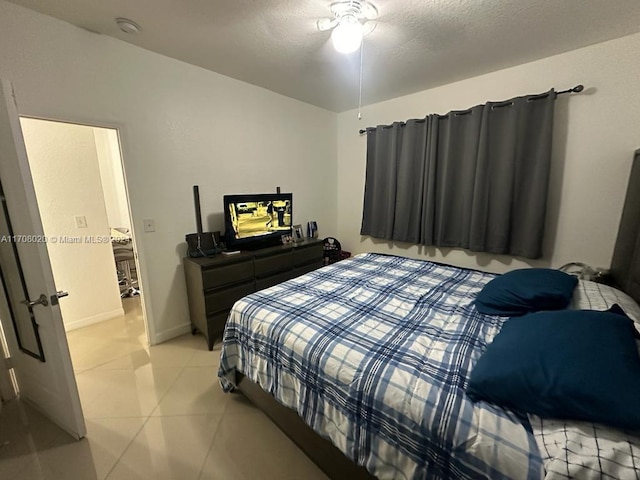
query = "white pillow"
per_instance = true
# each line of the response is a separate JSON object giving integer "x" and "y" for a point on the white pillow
{"x": 596, "y": 296}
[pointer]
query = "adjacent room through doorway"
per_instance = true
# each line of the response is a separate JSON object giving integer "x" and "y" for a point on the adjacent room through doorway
{"x": 80, "y": 186}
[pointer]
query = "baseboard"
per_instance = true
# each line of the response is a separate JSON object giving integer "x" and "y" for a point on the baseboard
{"x": 85, "y": 322}
{"x": 171, "y": 333}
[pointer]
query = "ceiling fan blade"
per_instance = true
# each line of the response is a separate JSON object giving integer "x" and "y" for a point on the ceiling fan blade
{"x": 368, "y": 11}
{"x": 369, "y": 27}
{"x": 325, "y": 24}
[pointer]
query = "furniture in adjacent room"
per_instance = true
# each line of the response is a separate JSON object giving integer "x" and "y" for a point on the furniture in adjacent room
{"x": 214, "y": 284}
{"x": 124, "y": 257}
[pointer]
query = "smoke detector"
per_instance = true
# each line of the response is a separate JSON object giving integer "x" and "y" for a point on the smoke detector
{"x": 127, "y": 26}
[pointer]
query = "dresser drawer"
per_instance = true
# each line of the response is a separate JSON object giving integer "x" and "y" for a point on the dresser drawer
{"x": 273, "y": 280}
{"x": 306, "y": 269}
{"x": 266, "y": 266}
{"x": 302, "y": 256}
{"x": 227, "y": 274}
{"x": 224, "y": 299}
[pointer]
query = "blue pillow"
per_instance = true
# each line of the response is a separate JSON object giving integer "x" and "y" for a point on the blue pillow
{"x": 615, "y": 308}
{"x": 526, "y": 290}
{"x": 570, "y": 364}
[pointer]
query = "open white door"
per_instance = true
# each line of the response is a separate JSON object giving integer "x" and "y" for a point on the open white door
{"x": 29, "y": 309}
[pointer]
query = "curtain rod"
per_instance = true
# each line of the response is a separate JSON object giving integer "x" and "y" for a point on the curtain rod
{"x": 576, "y": 89}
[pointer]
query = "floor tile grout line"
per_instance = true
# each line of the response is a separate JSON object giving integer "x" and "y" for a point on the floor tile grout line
{"x": 222, "y": 414}
{"x": 93, "y": 370}
{"x": 181, "y": 368}
{"x": 171, "y": 386}
{"x": 167, "y": 391}
{"x": 213, "y": 439}
{"x": 128, "y": 446}
{"x": 95, "y": 367}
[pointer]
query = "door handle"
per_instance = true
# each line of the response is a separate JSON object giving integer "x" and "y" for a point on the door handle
{"x": 59, "y": 294}
{"x": 42, "y": 300}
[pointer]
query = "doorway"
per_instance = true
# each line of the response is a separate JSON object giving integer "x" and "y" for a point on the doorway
{"x": 79, "y": 182}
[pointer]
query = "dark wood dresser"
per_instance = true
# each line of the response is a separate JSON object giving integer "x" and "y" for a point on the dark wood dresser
{"x": 214, "y": 284}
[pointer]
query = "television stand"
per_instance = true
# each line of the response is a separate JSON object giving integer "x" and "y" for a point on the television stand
{"x": 214, "y": 284}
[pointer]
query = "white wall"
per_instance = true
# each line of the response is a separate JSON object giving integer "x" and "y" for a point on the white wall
{"x": 179, "y": 126}
{"x": 66, "y": 176}
{"x": 595, "y": 136}
{"x": 112, "y": 176}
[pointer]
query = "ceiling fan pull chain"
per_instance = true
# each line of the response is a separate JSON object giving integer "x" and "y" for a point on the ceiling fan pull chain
{"x": 360, "y": 88}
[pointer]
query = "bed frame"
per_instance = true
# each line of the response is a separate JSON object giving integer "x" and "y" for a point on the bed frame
{"x": 321, "y": 451}
{"x": 626, "y": 276}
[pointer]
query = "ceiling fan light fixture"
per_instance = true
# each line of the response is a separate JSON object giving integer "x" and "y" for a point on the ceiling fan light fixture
{"x": 347, "y": 35}
{"x": 352, "y": 20}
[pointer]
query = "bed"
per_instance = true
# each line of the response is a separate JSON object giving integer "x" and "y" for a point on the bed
{"x": 364, "y": 364}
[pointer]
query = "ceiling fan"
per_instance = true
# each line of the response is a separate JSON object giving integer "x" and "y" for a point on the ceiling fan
{"x": 352, "y": 20}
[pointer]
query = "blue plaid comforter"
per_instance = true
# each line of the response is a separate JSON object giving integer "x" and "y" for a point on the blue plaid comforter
{"x": 374, "y": 353}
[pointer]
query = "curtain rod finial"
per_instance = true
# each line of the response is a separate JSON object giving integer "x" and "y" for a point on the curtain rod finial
{"x": 577, "y": 88}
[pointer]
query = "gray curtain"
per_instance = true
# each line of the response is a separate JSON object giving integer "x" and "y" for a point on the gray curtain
{"x": 475, "y": 179}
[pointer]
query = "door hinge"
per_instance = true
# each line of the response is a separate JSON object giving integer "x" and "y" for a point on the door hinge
{"x": 8, "y": 363}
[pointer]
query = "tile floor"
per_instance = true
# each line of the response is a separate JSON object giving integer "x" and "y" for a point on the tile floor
{"x": 151, "y": 413}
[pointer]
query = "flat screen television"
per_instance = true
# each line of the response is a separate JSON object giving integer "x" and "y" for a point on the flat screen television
{"x": 253, "y": 220}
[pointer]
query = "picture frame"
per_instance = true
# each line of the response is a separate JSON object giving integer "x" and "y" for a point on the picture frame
{"x": 298, "y": 235}
{"x": 312, "y": 229}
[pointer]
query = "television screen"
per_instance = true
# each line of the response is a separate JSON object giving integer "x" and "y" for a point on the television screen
{"x": 254, "y": 217}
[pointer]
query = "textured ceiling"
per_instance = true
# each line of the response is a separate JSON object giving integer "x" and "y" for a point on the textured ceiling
{"x": 418, "y": 44}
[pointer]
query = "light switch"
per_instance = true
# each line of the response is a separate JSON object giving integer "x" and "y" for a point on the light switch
{"x": 149, "y": 225}
{"x": 81, "y": 221}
